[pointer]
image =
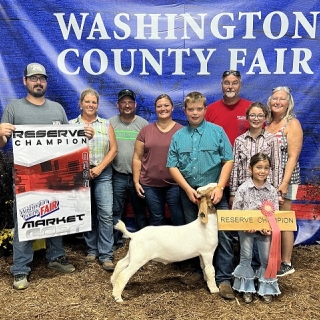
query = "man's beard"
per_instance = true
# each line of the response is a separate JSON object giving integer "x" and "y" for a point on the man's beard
{"x": 230, "y": 94}
{"x": 36, "y": 94}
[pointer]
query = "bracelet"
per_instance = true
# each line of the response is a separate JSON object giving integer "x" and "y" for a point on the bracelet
{"x": 217, "y": 186}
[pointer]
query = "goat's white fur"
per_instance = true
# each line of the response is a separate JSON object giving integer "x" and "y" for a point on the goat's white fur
{"x": 168, "y": 244}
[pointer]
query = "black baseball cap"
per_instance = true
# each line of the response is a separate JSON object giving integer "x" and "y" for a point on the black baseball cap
{"x": 126, "y": 92}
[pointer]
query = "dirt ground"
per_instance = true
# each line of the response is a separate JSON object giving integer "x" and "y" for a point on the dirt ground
{"x": 154, "y": 292}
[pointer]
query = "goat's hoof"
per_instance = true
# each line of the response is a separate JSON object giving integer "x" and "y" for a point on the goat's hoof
{"x": 118, "y": 299}
{"x": 214, "y": 290}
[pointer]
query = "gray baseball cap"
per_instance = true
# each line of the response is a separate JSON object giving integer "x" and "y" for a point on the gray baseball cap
{"x": 34, "y": 68}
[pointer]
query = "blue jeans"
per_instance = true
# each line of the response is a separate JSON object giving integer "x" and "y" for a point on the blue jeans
{"x": 223, "y": 257}
{"x": 244, "y": 274}
{"x": 122, "y": 184}
{"x": 23, "y": 250}
{"x": 157, "y": 197}
{"x": 100, "y": 239}
{"x": 246, "y": 244}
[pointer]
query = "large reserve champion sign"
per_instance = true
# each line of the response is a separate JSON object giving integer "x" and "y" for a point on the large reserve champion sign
{"x": 51, "y": 172}
{"x": 173, "y": 47}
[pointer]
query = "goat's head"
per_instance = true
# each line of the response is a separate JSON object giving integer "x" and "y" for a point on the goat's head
{"x": 205, "y": 205}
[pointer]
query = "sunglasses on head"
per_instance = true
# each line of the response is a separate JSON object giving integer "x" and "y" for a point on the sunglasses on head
{"x": 233, "y": 72}
{"x": 285, "y": 88}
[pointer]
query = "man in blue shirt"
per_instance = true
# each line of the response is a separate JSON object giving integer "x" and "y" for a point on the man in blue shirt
{"x": 201, "y": 153}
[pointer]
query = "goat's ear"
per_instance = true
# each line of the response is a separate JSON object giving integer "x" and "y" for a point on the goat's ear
{"x": 204, "y": 217}
{"x": 203, "y": 210}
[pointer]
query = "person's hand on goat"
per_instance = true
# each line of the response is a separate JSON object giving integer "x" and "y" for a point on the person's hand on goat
{"x": 192, "y": 195}
{"x": 216, "y": 195}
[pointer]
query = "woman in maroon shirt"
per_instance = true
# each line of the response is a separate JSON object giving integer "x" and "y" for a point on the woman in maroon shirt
{"x": 151, "y": 177}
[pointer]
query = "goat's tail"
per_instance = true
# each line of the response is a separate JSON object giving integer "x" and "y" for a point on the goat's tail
{"x": 122, "y": 227}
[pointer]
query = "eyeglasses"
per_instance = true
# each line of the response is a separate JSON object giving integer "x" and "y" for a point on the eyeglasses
{"x": 258, "y": 116}
{"x": 233, "y": 72}
{"x": 42, "y": 79}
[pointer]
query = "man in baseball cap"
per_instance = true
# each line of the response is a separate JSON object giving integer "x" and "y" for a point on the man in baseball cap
{"x": 126, "y": 126}
{"x": 34, "y": 109}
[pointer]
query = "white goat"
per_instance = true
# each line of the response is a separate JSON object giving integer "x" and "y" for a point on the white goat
{"x": 169, "y": 244}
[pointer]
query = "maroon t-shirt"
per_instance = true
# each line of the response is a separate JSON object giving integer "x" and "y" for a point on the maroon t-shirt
{"x": 154, "y": 172}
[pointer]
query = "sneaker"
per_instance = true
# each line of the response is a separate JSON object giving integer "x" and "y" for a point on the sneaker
{"x": 20, "y": 281}
{"x": 61, "y": 264}
{"x": 285, "y": 269}
{"x": 226, "y": 291}
{"x": 267, "y": 298}
{"x": 90, "y": 258}
{"x": 108, "y": 265}
{"x": 247, "y": 297}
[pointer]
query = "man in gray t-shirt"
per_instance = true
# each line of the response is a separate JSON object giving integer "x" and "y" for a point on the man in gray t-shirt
{"x": 126, "y": 126}
{"x": 34, "y": 109}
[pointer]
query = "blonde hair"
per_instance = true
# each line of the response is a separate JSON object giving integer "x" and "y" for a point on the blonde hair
{"x": 289, "y": 113}
{"x": 195, "y": 96}
{"x": 88, "y": 91}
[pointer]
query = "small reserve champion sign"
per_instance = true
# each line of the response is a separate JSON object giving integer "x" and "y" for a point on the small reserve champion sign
{"x": 51, "y": 174}
{"x": 241, "y": 220}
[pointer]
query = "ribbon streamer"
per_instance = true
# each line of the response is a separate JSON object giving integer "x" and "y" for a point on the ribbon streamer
{"x": 274, "y": 261}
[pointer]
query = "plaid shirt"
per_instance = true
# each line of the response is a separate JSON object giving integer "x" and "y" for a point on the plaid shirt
{"x": 244, "y": 148}
{"x": 99, "y": 144}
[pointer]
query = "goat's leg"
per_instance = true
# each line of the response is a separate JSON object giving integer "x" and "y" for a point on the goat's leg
{"x": 121, "y": 265}
{"x": 202, "y": 268}
{"x": 209, "y": 272}
{"x": 123, "y": 278}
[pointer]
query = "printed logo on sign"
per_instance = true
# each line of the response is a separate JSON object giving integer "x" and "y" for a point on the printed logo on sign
{"x": 40, "y": 209}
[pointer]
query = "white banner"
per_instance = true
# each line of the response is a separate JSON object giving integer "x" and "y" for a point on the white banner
{"x": 51, "y": 171}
